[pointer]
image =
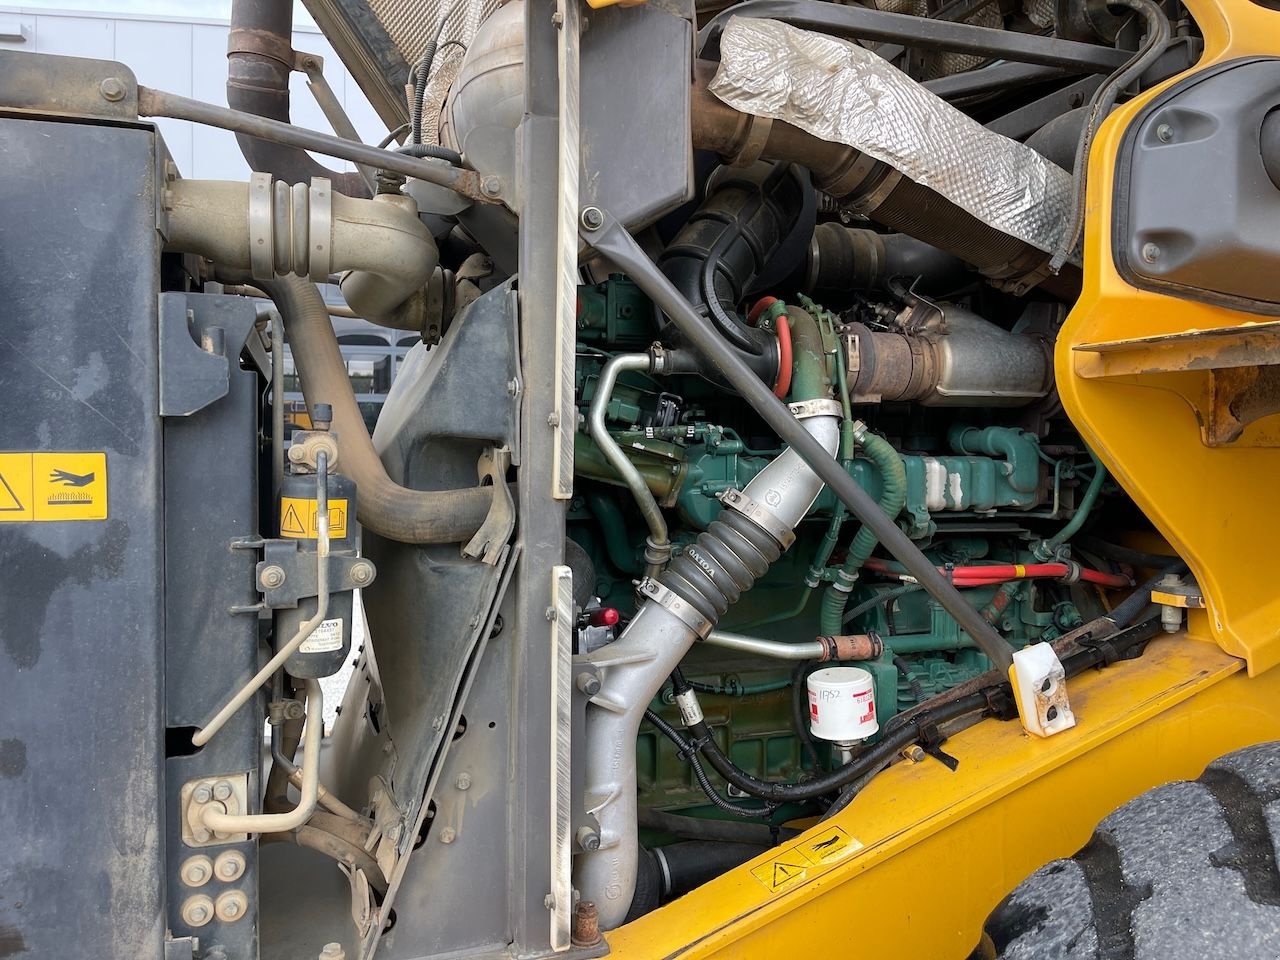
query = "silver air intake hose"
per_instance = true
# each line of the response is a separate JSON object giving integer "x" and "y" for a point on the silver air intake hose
{"x": 696, "y": 589}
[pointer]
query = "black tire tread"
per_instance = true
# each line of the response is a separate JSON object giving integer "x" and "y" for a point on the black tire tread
{"x": 1187, "y": 871}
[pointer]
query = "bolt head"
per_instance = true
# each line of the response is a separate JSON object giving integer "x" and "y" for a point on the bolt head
{"x": 491, "y": 187}
{"x": 362, "y": 573}
{"x": 1150, "y": 252}
{"x": 202, "y": 794}
{"x": 222, "y": 790}
{"x": 112, "y": 89}
{"x": 197, "y": 911}
{"x": 1164, "y": 133}
{"x": 195, "y": 872}
{"x": 463, "y": 782}
{"x": 592, "y": 218}
{"x": 588, "y": 839}
{"x": 588, "y": 683}
{"x": 448, "y": 835}
{"x": 272, "y": 576}
{"x": 229, "y": 865}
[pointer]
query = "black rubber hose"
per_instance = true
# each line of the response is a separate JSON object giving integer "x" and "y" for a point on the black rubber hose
{"x": 612, "y": 240}
{"x": 728, "y": 242}
{"x": 1114, "y": 551}
{"x": 800, "y": 711}
{"x": 433, "y": 151}
{"x": 706, "y": 828}
{"x": 1131, "y": 608}
{"x": 259, "y": 61}
{"x": 420, "y": 84}
{"x": 688, "y": 865}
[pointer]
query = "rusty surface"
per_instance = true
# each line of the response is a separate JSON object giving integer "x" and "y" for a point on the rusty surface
{"x": 586, "y": 924}
{"x": 1238, "y": 397}
{"x": 855, "y": 646}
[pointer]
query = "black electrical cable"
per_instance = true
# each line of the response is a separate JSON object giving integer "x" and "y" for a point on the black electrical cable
{"x": 904, "y": 668}
{"x": 852, "y": 790}
{"x": 423, "y": 70}
{"x": 432, "y": 151}
{"x": 871, "y": 759}
{"x": 880, "y": 598}
{"x": 689, "y": 753}
{"x": 800, "y": 711}
{"x": 1104, "y": 98}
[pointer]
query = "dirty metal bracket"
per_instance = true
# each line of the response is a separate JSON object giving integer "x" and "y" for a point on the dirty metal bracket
{"x": 286, "y": 575}
{"x": 500, "y": 522}
{"x": 201, "y": 335}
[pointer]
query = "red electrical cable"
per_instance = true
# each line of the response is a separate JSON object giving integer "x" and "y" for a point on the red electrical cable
{"x": 981, "y": 576}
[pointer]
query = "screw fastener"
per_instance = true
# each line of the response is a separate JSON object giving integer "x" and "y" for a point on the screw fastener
{"x": 362, "y": 573}
{"x": 273, "y": 576}
{"x": 1164, "y": 133}
{"x": 592, "y": 218}
{"x": 1150, "y": 252}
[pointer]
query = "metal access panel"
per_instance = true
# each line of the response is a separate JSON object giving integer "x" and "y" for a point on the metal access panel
{"x": 91, "y": 853}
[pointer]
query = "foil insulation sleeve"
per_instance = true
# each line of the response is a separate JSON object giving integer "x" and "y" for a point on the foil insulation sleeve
{"x": 845, "y": 93}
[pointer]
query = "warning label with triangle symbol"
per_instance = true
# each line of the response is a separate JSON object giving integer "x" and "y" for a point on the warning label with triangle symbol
{"x": 782, "y": 871}
{"x": 15, "y": 487}
{"x": 291, "y": 524}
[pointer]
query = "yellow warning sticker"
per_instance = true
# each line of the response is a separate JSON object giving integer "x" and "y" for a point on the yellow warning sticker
{"x": 831, "y": 844}
{"x": 42, "y": 486}
{"x": 782, "y": 871}
{"x": 794, "y": 864}
{"x": 298, "y": 518}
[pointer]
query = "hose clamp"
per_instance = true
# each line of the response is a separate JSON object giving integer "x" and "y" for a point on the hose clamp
{"x": 760, "y": 515}
{"x": 261, "y": 235}
{"x": 320, "y": 229}
{"x": 674, "y": 604}
{"x": 867, "y": 202}
{"x": 804, "y": 409}
{"x": 752, "y": 145}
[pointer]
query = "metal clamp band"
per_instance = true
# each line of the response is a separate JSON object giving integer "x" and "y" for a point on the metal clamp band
{"x": 804, "y": 409}
{"x": 867, "y": 202}
{"x": 261, "y": 234}
{"x": 681, "y": 609}
{"x": 260, "y": 44}
{"x": 320, "y": 228}
{"x": 753, "y": 143}
{"x": 760, "y": 515}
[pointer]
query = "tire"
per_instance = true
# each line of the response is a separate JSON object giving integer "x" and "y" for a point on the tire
{"x": 1186, "y": 871}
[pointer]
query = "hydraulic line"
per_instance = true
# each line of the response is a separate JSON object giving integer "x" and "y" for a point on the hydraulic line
{"x": 220, "y": 822}
{"x": 658, "y": 546}
{"x": 1049, "y": 548}
{"x": 613, "y": 241}
{"x": 1131, "y": 608}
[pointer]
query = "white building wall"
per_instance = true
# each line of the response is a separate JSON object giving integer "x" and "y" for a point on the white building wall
{"x": 188, "y": 57}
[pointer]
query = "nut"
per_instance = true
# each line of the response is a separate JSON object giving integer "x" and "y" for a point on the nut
{"x": 229, "y": 866}
{"x": 272, "y": 576}
{"x": 231, "y": 906}
{"x": 197, "y": 911}
{"x": 112, "y": 89}
{"x": 195, "y": 871}
{"x": 592, "y": 218}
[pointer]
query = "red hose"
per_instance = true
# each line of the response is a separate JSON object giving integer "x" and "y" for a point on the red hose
{"x": 783, "y": 386}
{"x": 989, "y": 575}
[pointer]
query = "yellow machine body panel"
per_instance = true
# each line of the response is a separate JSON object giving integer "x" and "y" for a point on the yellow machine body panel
{"x": 921, "y": 857}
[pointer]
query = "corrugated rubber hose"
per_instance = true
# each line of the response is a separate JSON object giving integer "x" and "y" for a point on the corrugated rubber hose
{"x": 385, "y": 507}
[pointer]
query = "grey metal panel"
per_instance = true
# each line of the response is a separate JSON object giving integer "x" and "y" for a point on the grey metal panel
{"x": 211, "y": 462}
{"x": 1196, "y": 212}
{"x": 80, "y": 608}
{"x": 637, "y": 146}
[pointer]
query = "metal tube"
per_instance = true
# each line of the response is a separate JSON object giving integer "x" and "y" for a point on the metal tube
{"x": 758, "y": 646}
{"x": 658, "y": 550}
{"x": 305, "y": 629}
{"x": 621, "y": 248}
{"x": 277, "y": 398}
{"x": 220, "y": 822}
{"x": 333, "y": 112}
{"x": 158, "y": 103}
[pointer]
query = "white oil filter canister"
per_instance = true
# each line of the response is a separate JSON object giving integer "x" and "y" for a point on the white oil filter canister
{"x": 842, "y": 704}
